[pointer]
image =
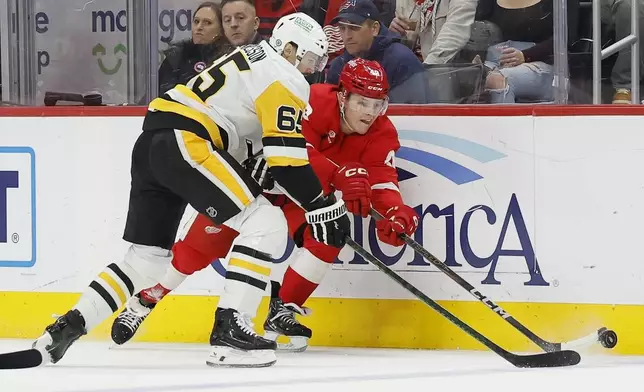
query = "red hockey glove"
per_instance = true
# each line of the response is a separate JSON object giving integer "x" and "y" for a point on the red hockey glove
{"x": 398, "y": 220}
{"x": 352, "y": 180}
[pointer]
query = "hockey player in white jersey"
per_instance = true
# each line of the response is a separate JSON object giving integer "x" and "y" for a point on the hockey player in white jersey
{"x": 194, "y": 138}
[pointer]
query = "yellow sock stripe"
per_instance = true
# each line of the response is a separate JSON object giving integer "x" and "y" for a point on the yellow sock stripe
{"x": 115, "y": 286}
{"x": 163, "y": 105}
{"x": 198, "y": 150}
{"x": 249, "y": 266}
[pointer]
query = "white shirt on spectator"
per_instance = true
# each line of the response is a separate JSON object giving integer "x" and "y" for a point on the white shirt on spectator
{"x": 447, "y": 30}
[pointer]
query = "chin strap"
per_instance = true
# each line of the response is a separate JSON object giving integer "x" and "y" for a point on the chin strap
{"x": 342, "y": 98}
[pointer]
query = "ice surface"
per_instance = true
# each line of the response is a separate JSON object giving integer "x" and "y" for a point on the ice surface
{"x": 96, "y": 367}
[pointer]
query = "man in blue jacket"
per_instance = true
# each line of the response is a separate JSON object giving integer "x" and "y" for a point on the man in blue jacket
{"x": 366, "y": 37}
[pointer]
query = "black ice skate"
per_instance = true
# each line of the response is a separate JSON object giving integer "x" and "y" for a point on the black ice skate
{"x": 60, "y": 335}
{"x": 281, "y": 322}
{"x": 130, "y": 319}
{"x": 234, "y": 342}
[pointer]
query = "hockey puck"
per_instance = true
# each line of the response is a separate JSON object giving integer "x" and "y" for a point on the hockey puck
{"x": 608, "y": 338}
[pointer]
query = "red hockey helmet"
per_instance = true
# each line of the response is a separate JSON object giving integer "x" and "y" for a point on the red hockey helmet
{"x": 364, "y": 77}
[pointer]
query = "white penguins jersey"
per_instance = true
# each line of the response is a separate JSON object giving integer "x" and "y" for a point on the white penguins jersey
{"x": 252, "y": 98}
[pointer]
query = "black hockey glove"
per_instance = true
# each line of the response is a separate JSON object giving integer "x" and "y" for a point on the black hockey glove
{"x": 257, "y": 168}
{"x": 329, "y": 221}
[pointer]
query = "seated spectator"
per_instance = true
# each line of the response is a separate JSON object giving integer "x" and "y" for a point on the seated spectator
{"x": 240, "y": 22}
{"x": 185, "y": 59}
{"x": 522, "y": 66}
{"x": 325, "y": 12}
{"x": 364, "y": 36}
{"x": 439, "y": 28}
{"x": 270, "y": 11}
{"x": 387, "y": 9}
{"x": 617, "y": 13}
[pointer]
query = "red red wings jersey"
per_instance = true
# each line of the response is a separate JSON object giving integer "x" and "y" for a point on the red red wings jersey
{"x": 375, "y": 150}
{"x": 270, "y": 11}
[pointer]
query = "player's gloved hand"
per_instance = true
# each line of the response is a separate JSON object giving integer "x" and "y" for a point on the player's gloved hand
{"x": 257, "y": 168}
{"x": 398, "y": 220}
{"x": 352, "y": 180}
{"x": 329, "y": 221}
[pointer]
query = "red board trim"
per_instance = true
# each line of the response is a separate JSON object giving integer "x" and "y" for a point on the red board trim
{"x": 394, "y": 110}
{"x": 73, "y": 111}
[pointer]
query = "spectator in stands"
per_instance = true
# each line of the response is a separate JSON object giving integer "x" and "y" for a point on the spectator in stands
{"x": 522, "y": 67}
{"x": 184, "y": 59}
{"x": 270, "y": 11}
{"x": 240, "y": 22}
{"x": 387, "y": 9}
{"x": 617, "y": 13}
{"x": 440, "y": 27}
{"x": 364, "y": 36}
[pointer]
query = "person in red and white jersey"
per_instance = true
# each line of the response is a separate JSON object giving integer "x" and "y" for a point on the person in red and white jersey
{"x": 351, "y": 145}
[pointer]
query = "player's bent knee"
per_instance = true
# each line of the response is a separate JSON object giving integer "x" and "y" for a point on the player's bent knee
{"x": 322, "y": 251}
{"x": 188, "y": 260}
{"x": 310, "y": 267}
{"x": 146, "y": 265}
{"x": 264, "y": 229}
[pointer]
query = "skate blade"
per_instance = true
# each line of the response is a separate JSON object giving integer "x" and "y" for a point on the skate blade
{"x": 296, "y": 344}
{"x": 221, "y": 356}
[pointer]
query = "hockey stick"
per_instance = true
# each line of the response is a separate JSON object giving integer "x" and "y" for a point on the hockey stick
{"x": 33, "y": 358}
{"x": 549, "y": 359}
{"x": 607, "y": 337}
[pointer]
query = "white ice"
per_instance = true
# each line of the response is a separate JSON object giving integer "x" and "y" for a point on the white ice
{"x": 96, "y": 367}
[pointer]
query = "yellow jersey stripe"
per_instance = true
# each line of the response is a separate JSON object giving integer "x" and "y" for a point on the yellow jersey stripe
{"x": 275, "y": 121}
{"x": 199, "y": 153}
{"x": 189, "y": 93}
{"x": 163, "y": 105}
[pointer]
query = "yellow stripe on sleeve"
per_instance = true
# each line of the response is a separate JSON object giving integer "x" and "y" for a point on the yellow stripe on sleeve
{"x": 280, "y": 112}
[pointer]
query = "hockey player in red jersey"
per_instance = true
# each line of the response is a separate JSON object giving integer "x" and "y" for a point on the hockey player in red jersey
{"x": 351, "y": 146}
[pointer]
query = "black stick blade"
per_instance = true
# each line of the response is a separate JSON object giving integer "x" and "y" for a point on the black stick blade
{"x": 21, "y": 359}
{"x": 546, "y": 360}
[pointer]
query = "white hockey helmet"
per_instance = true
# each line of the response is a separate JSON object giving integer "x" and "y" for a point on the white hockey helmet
{"x": 303, "y": 31}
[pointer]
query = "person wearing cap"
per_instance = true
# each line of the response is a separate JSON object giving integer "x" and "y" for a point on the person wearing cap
{"x": 364, "y": 36}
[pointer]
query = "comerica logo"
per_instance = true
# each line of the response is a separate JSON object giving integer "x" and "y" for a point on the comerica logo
{"x": 463, "y": 225}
